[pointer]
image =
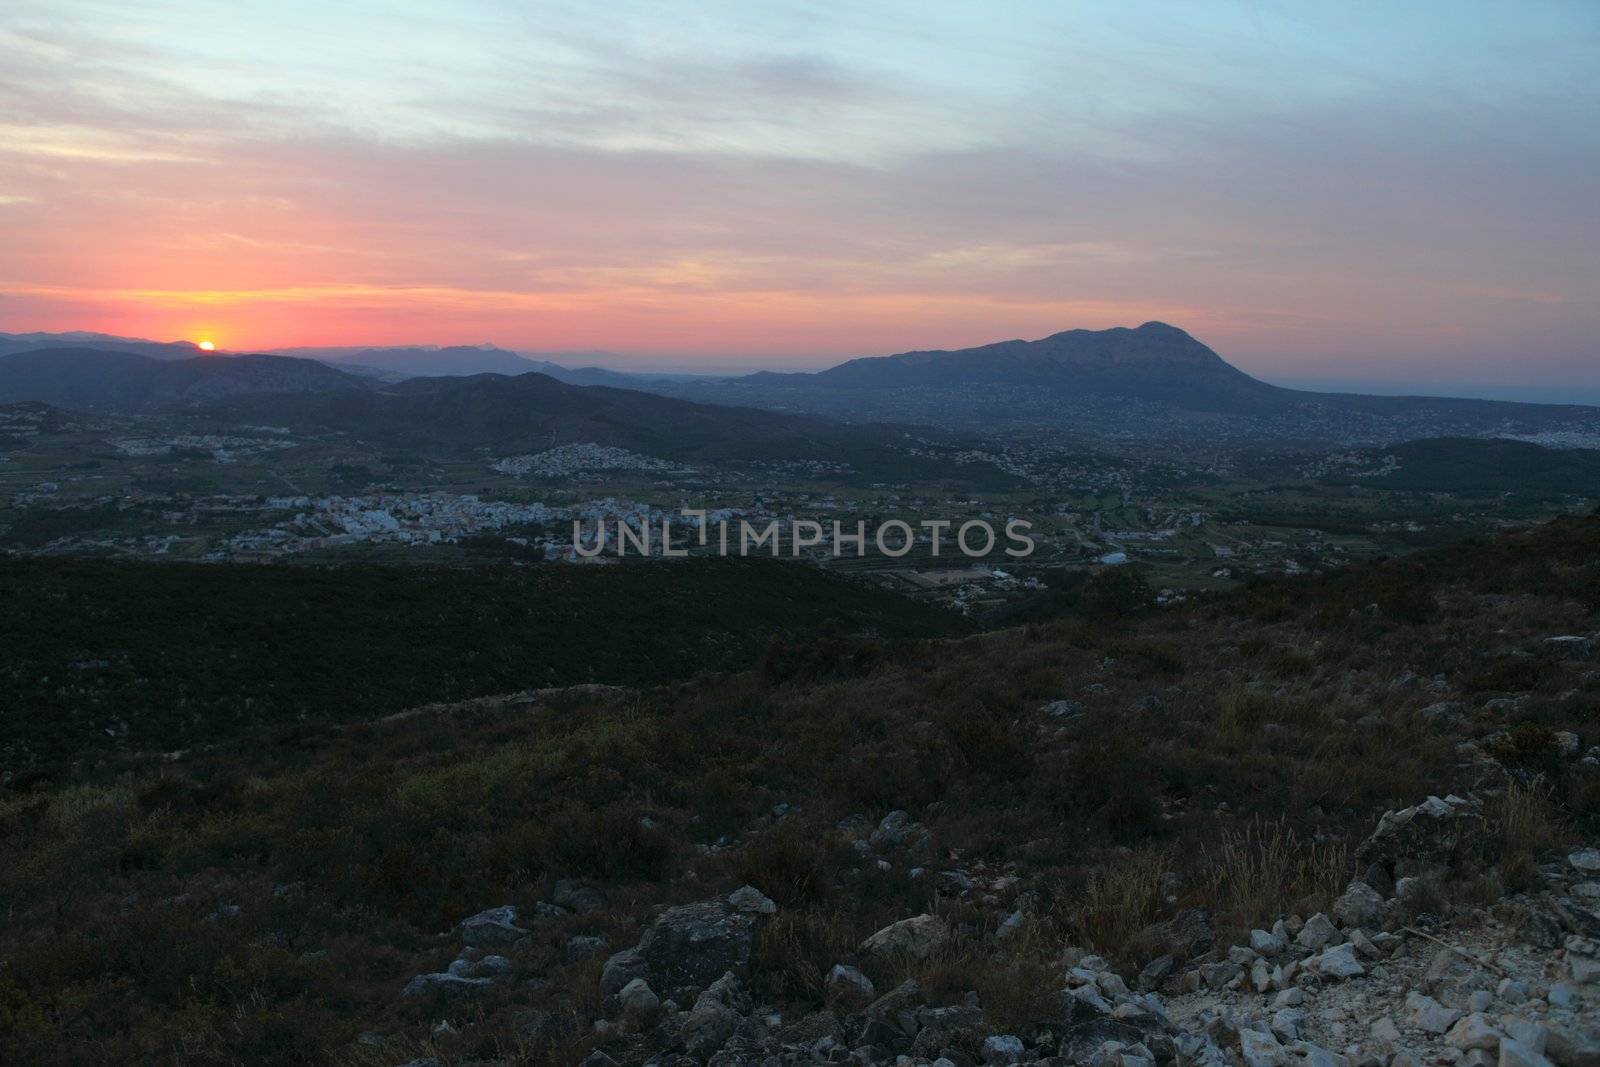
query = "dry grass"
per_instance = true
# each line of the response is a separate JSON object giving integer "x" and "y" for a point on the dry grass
{"x": 1259, "y": 871}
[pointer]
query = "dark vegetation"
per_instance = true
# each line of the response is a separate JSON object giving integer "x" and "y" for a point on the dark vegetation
{"x": 1488, "y": 466}
{"x": 118, "y": 654}
{"x": 1229, "y": 754}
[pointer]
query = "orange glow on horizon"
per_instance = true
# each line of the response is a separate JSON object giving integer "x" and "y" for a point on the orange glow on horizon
{"x": 207, "y": 346}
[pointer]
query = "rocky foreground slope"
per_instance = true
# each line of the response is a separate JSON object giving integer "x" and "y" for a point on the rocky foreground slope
{"x": 1345, "y": 818}
{"x": 1380, "y": 980}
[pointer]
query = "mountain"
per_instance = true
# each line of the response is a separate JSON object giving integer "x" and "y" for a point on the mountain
{"x": 125, "y": 381}
{"x": 1144, "y": 382}
{"x": 1153, "y": 362}
{"x": 30, "y": 342}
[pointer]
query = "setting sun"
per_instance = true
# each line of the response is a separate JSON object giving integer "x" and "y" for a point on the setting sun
{"x": 207, "y": 346}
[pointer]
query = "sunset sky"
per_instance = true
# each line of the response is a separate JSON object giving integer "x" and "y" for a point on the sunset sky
{"x": 1328, "y": 189}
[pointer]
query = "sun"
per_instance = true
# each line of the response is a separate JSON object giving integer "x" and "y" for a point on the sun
{"x": 207, "y": 346}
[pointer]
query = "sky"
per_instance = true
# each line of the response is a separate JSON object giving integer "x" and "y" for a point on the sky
{"x": 1332, "y": 191}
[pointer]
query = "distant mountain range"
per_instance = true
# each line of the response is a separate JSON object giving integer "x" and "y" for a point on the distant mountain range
{"x": 31, "y": 342}
{"x": 1125, "y": 382}
{"x": 1136, "y": 383}
{"x": 524, "y": 412}
{"x": 432, "y": 361}
{"x": 93, "y": 379}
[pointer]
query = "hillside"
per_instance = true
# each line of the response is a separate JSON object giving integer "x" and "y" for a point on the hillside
{"x": 130, "y": 655}
{"x": 533, "y": 411}
{"x": 92, "y": 379}
{"x": 1144, "y": 786}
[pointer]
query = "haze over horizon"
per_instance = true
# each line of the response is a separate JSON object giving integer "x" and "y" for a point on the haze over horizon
{"x": 1347, "y": 194}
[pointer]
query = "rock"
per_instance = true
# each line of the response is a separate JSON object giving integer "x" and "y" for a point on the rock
{"x": 1525, "y": 1032}
{"x": 1515, "y": 1054}
{"x": 893, "y": 830}
{"x": 1286, "y": 1024}
{"x": 1480, "y": 1000}
{"x": 1218, "y": 975}
{"x": 1081, "y": 1042}
{"x": 639, "y": 1002}
{"x": 1360, "y": 906}
{"x": 1473, "y": 1031}
{"x": 619, "y": 970}
{"x": 1423, "y": 840}
{"x": 848, "y": 987}
{"x": 1337, "y": 962}
{"x": 577, "y": 896}
{"x": 444, "y": 984}
{"x": 1089, "y": 997}
{"x": 1261, "y": 1050}
{"x": 1266, "y": 943}
{"x": 918, "y": 937}
{"x": 1063, "y": 709}
{"x": 715, "y": 1017}
{"x": 583, "y": 946}
{"x": 1571, "y": 1046}
{"x": 1574, "y": 646}
{"x": 491, "y": 928}
{"x": 1429, "y": 1015}
{"x": 1540, "y": 929}
{"x": 1002, "y": 1049}
{"x": 693, "y": 945}
{"x": 1365, "y": 947}
{"x": 1183, "y": 937}
{"x": 1289, "y": 998}
{"x": 1154, "y": 973}
{"x": 749, "y": 899}
{"x": 1585, "y": 861}
{"x": 1385, "y": 1032}
{"x": 1317, "y": 933}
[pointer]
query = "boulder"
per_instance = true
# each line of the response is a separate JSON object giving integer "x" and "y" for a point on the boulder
{"x": 1516, "y": 1054}
{"x": 1428, "y": 1015}
{"x": 751, "y": 901}
{"x": 1002, "y": 1049}
{"x": 1360, "y": 906}
{"x": 1426, "y": 839}
{"x": 694, "y": 945}
{"x": 1572, "y": 1046}
{"x": 621, "y": 969}
{"x": 1585, "y": 861}
{"x": 716, "y": 1016}
{"x": 1337, "y": 962}
{"x": 918, "y": 937}
{"x": 1260, "y": 1049}
{"x": 849, "y": 988}
{"x": 639, "y": 1002}
{"x": 445, "y": 984}
{"x": 1318, "y": 933}
{"x": 1473, "y": 1031}
{"x": 491, "y": 928}
{"x": 574, "y": 895}
{"x": 1184, "y": 937}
